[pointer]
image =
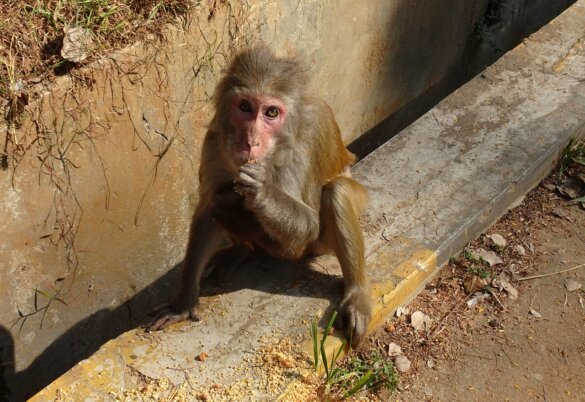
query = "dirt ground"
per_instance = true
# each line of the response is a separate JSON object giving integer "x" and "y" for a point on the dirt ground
{"x": 500, "y": 349}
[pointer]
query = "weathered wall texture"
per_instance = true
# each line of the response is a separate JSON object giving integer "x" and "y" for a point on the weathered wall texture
{"x": 102, "y": 175}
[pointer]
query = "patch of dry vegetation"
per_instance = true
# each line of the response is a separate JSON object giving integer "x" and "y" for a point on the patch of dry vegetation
{"x": 32, "y": 33}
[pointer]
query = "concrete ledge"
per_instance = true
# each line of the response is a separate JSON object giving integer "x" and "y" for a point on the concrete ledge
{"x": 292, "y": 294}
{"x": 433, "y": 188}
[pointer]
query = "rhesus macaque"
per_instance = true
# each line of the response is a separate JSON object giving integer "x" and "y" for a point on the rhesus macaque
{"x": 274, "y": 174}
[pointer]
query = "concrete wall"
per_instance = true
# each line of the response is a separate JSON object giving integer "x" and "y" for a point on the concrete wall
{"x": 102, "y": 180}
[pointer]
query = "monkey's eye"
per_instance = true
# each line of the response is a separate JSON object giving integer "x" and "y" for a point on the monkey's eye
{"x": 272, "y": 112}
{"x": 245, "y": 106}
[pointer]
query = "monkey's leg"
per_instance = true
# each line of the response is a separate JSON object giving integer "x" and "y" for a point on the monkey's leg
{"x": 204, "y": 241}
{"x": 340, "y": 210}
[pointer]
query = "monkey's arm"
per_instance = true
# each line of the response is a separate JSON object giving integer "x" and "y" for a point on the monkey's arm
{"x": 205, "y": 240}
{"x": 288, "y": 220}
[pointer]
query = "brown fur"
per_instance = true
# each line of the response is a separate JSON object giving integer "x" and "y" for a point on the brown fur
{"x": 303, "y": 201}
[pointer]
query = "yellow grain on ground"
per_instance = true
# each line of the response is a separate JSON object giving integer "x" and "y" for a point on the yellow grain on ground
{"x": 277, "y": 363}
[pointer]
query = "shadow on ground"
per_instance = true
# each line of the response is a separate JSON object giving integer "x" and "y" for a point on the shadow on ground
{"x": 261, "y": 273}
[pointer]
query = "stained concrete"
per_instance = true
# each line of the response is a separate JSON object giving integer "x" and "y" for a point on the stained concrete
{"x": 433, "y": 187}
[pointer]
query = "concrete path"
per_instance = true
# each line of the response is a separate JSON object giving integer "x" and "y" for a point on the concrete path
{"x": 433, "y": 188}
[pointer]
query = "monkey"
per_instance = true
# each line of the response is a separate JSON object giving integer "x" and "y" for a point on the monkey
{"x": 275, "y": 175}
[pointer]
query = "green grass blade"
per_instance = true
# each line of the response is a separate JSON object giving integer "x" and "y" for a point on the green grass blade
{"x": 324, "y": 358}
{"x": 323, "y": 339}
{"x": 360, "y": 384}
{"x": 341, "y": 349}
{"x": 314, "y": 335}
{"x": 342, "y": 377}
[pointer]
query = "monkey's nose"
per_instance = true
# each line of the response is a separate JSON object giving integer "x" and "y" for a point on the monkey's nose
{"x": 253, "y": 142}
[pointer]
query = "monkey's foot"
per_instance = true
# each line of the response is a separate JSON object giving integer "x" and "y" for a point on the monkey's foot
{"x": 166, "y": 316}
{"x": 355, "y": 314}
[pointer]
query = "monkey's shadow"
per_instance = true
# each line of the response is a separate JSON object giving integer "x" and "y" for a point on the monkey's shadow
{"x": 261, "y": 272}
{"x": 267, "y": 274}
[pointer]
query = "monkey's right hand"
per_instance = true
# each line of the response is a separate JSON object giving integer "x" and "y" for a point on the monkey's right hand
{"x": 166, "y": 316}
{"x": 250, "y": 182}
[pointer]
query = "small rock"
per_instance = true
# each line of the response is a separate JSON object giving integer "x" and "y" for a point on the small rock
{"x": 202, "y": 356}
{"x": 572, "y": 285}
{"x": 18, "y": 85}
{"x": 489, "y": 256}
{"x": 520, "y": 250}
{"x": 77, "y": 43}
{"x": 535, "y": 313}
{"x": 474, "y": 284}
{"x": 431, "y": 363}
{"x": 420, "y": 321}
{"x": 394, "y": 350}
{"x": 400, "y": 311}
{"x": 402, "y": 363}
{"x": 498, "y": 240}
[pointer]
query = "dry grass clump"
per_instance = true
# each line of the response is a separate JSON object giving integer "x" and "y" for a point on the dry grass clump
{"x": 32, "y": 33}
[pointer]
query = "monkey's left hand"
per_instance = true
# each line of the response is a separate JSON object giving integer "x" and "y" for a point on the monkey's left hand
{"x": 250, "y": 182}
{"x": 355, "y": 313}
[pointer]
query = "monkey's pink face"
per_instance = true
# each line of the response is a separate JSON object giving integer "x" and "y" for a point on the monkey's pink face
{"x": 255, "y": 118}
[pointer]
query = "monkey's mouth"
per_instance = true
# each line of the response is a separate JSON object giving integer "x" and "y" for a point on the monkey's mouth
{"x": 245, "y": 154}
